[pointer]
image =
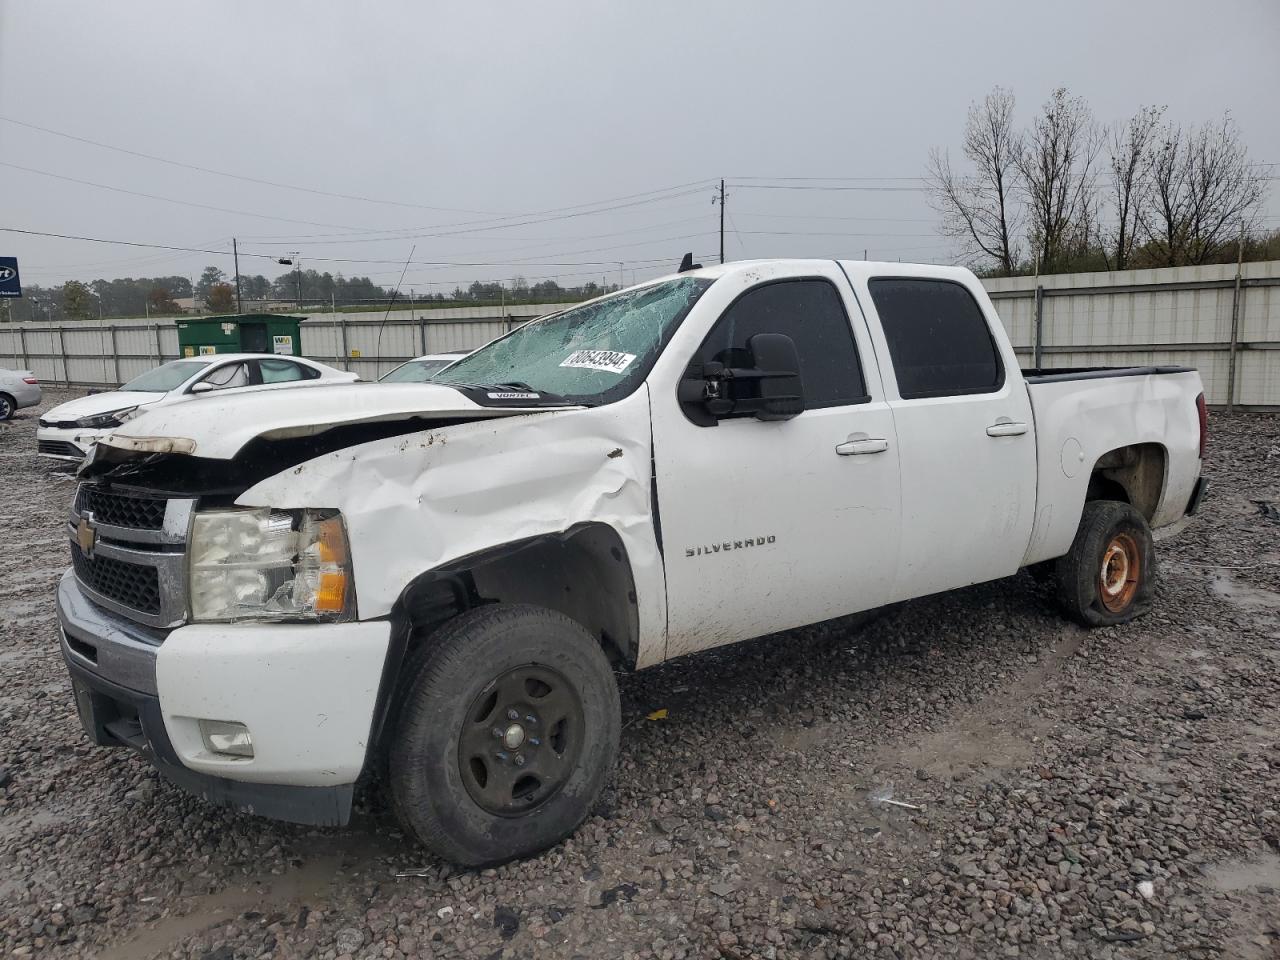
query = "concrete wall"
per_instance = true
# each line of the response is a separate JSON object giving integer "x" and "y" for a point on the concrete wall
{"x": 1179, "y": 315}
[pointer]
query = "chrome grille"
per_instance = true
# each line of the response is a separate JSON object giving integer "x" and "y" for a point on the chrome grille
{"x": 119, "y": 510}
{"x": 128, "y": 549}
{"x": 134, "y": 585}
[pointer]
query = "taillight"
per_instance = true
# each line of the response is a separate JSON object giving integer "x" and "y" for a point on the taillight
{"x": 1203, "y": 413}
{"x": 31, "y": 380}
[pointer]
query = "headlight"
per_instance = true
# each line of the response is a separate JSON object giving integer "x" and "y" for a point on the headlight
{"x": 101, "y": 421}
{"x": 270, "y": 564}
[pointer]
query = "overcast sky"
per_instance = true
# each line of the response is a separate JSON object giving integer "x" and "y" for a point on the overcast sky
{"x": 465, "y": 112}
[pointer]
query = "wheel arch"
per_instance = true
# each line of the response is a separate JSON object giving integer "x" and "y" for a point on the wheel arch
{"x": 1136, "y": 474}
{"x": 583, "y": 572}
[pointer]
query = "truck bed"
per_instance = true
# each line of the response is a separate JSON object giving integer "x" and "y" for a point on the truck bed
{"x": 1060, "y": 374}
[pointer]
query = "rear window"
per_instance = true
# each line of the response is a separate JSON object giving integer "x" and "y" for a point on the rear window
{"x": 938, "y": 338}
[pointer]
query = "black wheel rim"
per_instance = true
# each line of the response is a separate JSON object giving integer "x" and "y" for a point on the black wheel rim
{"x": 5, "y": 409}
{"x": 520, "y": 740}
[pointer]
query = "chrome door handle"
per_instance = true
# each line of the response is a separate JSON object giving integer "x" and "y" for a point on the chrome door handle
{"x": 862, "y": 445}
{"x": 1006, "y": 428}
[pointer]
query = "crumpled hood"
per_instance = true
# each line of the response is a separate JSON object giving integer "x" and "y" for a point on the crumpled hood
{"x": 100, "y": 403}
{"x": 218, "y": 427}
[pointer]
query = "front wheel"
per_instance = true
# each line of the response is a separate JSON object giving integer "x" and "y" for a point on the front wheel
{"x": 1109, "y": 575}
{"x": 7, "y": 407}
{"x": 507, "y": 733}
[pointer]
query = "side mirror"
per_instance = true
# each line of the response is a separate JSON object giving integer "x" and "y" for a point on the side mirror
{"x": 767, "y": 386}
{"x": 204, "y": 386}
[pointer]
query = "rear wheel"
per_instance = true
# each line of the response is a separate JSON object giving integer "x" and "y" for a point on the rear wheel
{"x": 507, "y": 733}
{"x": 7, "y": 407}
{"x": 1108, "y": 576}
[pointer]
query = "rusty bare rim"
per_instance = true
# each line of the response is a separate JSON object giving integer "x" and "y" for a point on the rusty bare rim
{"x": 1120, "y": 573}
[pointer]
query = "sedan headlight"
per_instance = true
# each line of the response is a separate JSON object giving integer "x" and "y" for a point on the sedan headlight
{"x": 270, "y": 565}
{"x": 103, "y": 421}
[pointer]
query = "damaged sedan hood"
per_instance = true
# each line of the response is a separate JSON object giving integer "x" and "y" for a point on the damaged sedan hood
{"x": 219, "y": 427}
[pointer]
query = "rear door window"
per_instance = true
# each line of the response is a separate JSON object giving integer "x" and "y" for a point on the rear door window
{"x": 938, "y": 338}
{"x": 812, "y": 314}
{"x": 281, "y": 371}
{"x": 228, "y": 376}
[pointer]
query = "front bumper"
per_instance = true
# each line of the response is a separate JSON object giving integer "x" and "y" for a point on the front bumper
{"x": 305, "y": 691}
{"x": 61, "y": 443}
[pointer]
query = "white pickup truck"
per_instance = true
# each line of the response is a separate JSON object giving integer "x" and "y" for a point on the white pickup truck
{"x": 274, "y": 597}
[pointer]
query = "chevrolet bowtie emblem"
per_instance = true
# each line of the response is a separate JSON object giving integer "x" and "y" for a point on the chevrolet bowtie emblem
{"x": 86, "y": 535}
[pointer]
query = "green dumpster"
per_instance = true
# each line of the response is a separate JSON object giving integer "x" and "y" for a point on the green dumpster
{"x": 240, "y": 333}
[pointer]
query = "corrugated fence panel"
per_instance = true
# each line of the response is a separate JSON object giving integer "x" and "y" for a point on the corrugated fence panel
{"x": 1258, "y": 378}
{"x": 1169, "y": 315}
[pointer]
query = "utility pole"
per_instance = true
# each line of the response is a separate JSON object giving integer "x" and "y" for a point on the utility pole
{"x": 621, "y": 284}
{"x": 292, "y": 260}
{"x": 722, "y": 221}
{"x": 235, "y": 252}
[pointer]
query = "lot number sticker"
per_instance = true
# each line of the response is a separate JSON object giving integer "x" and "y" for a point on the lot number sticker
{"x": 609, "y": 360}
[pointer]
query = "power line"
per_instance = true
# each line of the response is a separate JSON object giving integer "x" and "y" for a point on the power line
{"x": 402, "y": 235}
{"x": 528, "y": 242}
{"x": 329, "y": 193}
{"x": 810, "y": 186}
{"x": 235, "y": 176}
{"x": 184, "y": 203}
{"x": 818, "y": 233}
{"x": 532, "y": 261}
{"x": 819, "y": 216}
{"x": 830, "y": 179}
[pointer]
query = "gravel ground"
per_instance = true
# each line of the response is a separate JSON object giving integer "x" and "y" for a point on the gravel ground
{"x": 1102, "y": 794}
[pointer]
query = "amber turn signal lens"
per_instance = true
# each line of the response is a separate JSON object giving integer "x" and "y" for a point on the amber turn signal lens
{"x": 331, "y": 596}
{"x": 332, "y": 541}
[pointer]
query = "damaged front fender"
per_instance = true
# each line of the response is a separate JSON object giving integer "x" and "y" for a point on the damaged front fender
{"x": 420, "y": 501}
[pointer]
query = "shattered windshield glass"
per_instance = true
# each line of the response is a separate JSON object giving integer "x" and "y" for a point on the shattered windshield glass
{"x": 595, "y": 353}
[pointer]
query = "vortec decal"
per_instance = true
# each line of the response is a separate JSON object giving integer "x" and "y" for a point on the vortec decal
{"x": 729, "y": 545}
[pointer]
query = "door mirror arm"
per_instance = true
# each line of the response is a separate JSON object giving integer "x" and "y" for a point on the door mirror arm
{"x": 771, "y": 389}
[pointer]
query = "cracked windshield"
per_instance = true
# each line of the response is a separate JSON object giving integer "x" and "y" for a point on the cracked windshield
{"x": 592, "y": 354}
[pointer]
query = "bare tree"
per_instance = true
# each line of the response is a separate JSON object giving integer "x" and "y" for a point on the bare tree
{"x": 1130, "y": 149}
{"x": 980, "y": 209}
{"x": 1059, "y": 178}
{"x": 1204, "y": 193}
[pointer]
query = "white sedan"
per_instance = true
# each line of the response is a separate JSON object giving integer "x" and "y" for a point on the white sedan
{"x": 18, "y": 389}
{"x": 67, "y": 431}
{"x": 422, "y": 369}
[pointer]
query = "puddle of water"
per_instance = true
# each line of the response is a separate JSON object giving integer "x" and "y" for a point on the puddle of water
{"x": 1224, "y": 585}
{"x": 340, "y": 856}
{"x": 1235, "y": 875}
{"x": 304, "y": 883}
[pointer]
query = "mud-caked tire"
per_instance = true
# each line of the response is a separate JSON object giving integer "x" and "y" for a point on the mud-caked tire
{"x": 1109, "y": 574}
{"x": 507, "y": 731}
